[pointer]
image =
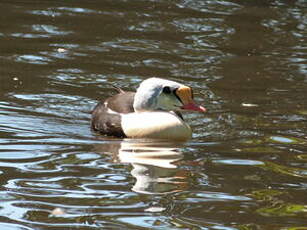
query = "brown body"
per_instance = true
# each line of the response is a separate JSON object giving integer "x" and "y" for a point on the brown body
{"x": 106, "y": 116}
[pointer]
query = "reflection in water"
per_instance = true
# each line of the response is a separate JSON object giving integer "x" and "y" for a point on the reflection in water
{"x": 154, "y": 165}
{"x": 245, "y": 166}
{"x": 144, "y": 153}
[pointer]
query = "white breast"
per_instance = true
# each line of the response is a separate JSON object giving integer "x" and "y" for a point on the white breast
{"x": 162, "y": 125}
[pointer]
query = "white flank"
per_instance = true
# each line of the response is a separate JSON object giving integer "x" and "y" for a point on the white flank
{"x": 110, "y": 111}
{"x": 162, "y": 125}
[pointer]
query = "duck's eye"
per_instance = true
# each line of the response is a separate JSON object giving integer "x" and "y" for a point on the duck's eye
{"x": 167, "y": 90}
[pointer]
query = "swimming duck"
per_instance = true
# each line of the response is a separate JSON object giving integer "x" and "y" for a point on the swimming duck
{"x": 153, "y": 111}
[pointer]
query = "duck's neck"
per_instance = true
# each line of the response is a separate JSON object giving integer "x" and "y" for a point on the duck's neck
{"x": 176, "y": 113}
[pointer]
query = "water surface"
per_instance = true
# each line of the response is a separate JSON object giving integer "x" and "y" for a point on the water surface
{"x": 245, "y": 167}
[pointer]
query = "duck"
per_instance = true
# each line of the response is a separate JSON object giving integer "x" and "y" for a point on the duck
{"x": 152, "y": 112}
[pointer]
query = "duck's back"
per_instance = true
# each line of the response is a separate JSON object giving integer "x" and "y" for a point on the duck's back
{"x": 106, "y": 116}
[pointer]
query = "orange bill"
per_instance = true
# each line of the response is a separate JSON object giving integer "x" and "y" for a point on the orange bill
{"x": 186, "y": 96}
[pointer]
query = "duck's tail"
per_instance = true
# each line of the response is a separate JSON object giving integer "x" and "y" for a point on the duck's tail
{"x": 119, "y": 90}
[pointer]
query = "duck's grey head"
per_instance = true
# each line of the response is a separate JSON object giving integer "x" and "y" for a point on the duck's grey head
{"x": 156, "y": 94}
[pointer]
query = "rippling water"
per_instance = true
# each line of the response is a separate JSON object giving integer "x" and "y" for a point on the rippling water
{"x": 245, "y": 167}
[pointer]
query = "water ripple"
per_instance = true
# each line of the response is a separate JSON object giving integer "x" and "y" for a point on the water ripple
{"x": 245, "y": 167}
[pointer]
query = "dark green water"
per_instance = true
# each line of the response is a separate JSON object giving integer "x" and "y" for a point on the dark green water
{"x": 246, "y": 166}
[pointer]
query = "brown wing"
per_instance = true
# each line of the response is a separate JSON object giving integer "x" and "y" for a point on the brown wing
{"x": 121, "y": 103}
{"x": 106, "y": 118}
